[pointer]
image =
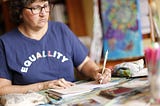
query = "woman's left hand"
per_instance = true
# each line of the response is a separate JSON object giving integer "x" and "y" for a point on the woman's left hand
{"x": 106, "y": 77}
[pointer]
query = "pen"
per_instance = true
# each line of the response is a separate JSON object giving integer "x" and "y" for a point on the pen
{"x": 104, "y": 64}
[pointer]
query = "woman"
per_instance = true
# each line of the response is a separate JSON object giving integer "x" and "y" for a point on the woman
{"x": 40, "y": 54}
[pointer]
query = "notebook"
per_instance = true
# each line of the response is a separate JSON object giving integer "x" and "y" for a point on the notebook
{"x": 80, "y": 89}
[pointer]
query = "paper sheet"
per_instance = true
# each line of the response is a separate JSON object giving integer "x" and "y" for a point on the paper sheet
{"x": 81, "y": 88}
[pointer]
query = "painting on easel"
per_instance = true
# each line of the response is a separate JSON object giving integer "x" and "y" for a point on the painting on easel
{"x": 121, "y": 28}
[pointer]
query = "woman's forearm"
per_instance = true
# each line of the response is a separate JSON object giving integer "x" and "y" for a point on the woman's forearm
{"x": 21, "y": 88}
{"x": 90, "y": 69}
{"x": 54, "y": 84}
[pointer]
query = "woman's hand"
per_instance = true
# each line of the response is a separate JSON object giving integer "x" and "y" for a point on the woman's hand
{"x": 106, "y": 77}
{"x": 58, "y": 84}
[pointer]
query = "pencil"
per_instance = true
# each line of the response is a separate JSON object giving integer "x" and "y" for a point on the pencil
{"x": 104, "y": 64}
{"x": 105, "y": 60}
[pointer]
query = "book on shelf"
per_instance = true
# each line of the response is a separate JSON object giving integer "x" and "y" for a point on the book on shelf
{"x": 81, "y": 88}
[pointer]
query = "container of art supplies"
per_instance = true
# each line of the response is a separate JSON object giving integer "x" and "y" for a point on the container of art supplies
{"x": 152, "y": 57}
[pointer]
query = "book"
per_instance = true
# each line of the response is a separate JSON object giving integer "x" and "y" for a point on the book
{"x": 130, "y": 91}
{"x": 87, "y": 102}
{"x": 81, "y": 88}
{"x": 115, "y": 92}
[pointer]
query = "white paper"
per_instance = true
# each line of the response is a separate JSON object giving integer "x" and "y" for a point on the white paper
{"x": 81, "y": 88}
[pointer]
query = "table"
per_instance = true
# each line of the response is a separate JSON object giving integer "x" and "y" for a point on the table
{"x": 94, "y": 99}
{"x": 141, "y": 98}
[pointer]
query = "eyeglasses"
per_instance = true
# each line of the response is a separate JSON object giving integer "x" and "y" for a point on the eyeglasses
{"x": 38, "y": 9}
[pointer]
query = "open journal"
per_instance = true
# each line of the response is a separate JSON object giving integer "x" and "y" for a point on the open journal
{"x": 81, "y": 88}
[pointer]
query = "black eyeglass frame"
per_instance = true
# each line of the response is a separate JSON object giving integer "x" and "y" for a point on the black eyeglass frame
{"x": 39, "y": 8}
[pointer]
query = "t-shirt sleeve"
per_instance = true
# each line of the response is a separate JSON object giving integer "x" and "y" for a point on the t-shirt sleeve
{"x": 4, "y": 71}
{"x": 79, "y": 50}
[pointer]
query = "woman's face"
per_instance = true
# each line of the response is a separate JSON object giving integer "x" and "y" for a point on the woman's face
{"x": 36, "y": 14}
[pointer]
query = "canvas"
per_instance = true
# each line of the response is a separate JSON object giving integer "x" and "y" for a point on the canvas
{"x": 121, "y": 28}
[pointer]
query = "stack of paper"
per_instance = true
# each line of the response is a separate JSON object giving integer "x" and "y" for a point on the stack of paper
{"x": 80, "y": 89}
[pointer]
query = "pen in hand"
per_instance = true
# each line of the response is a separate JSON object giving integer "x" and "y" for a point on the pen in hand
{"x": 104, "y": 64}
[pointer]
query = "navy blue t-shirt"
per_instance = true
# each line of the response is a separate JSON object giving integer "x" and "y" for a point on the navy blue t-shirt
{"x": 25, "y": 61}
